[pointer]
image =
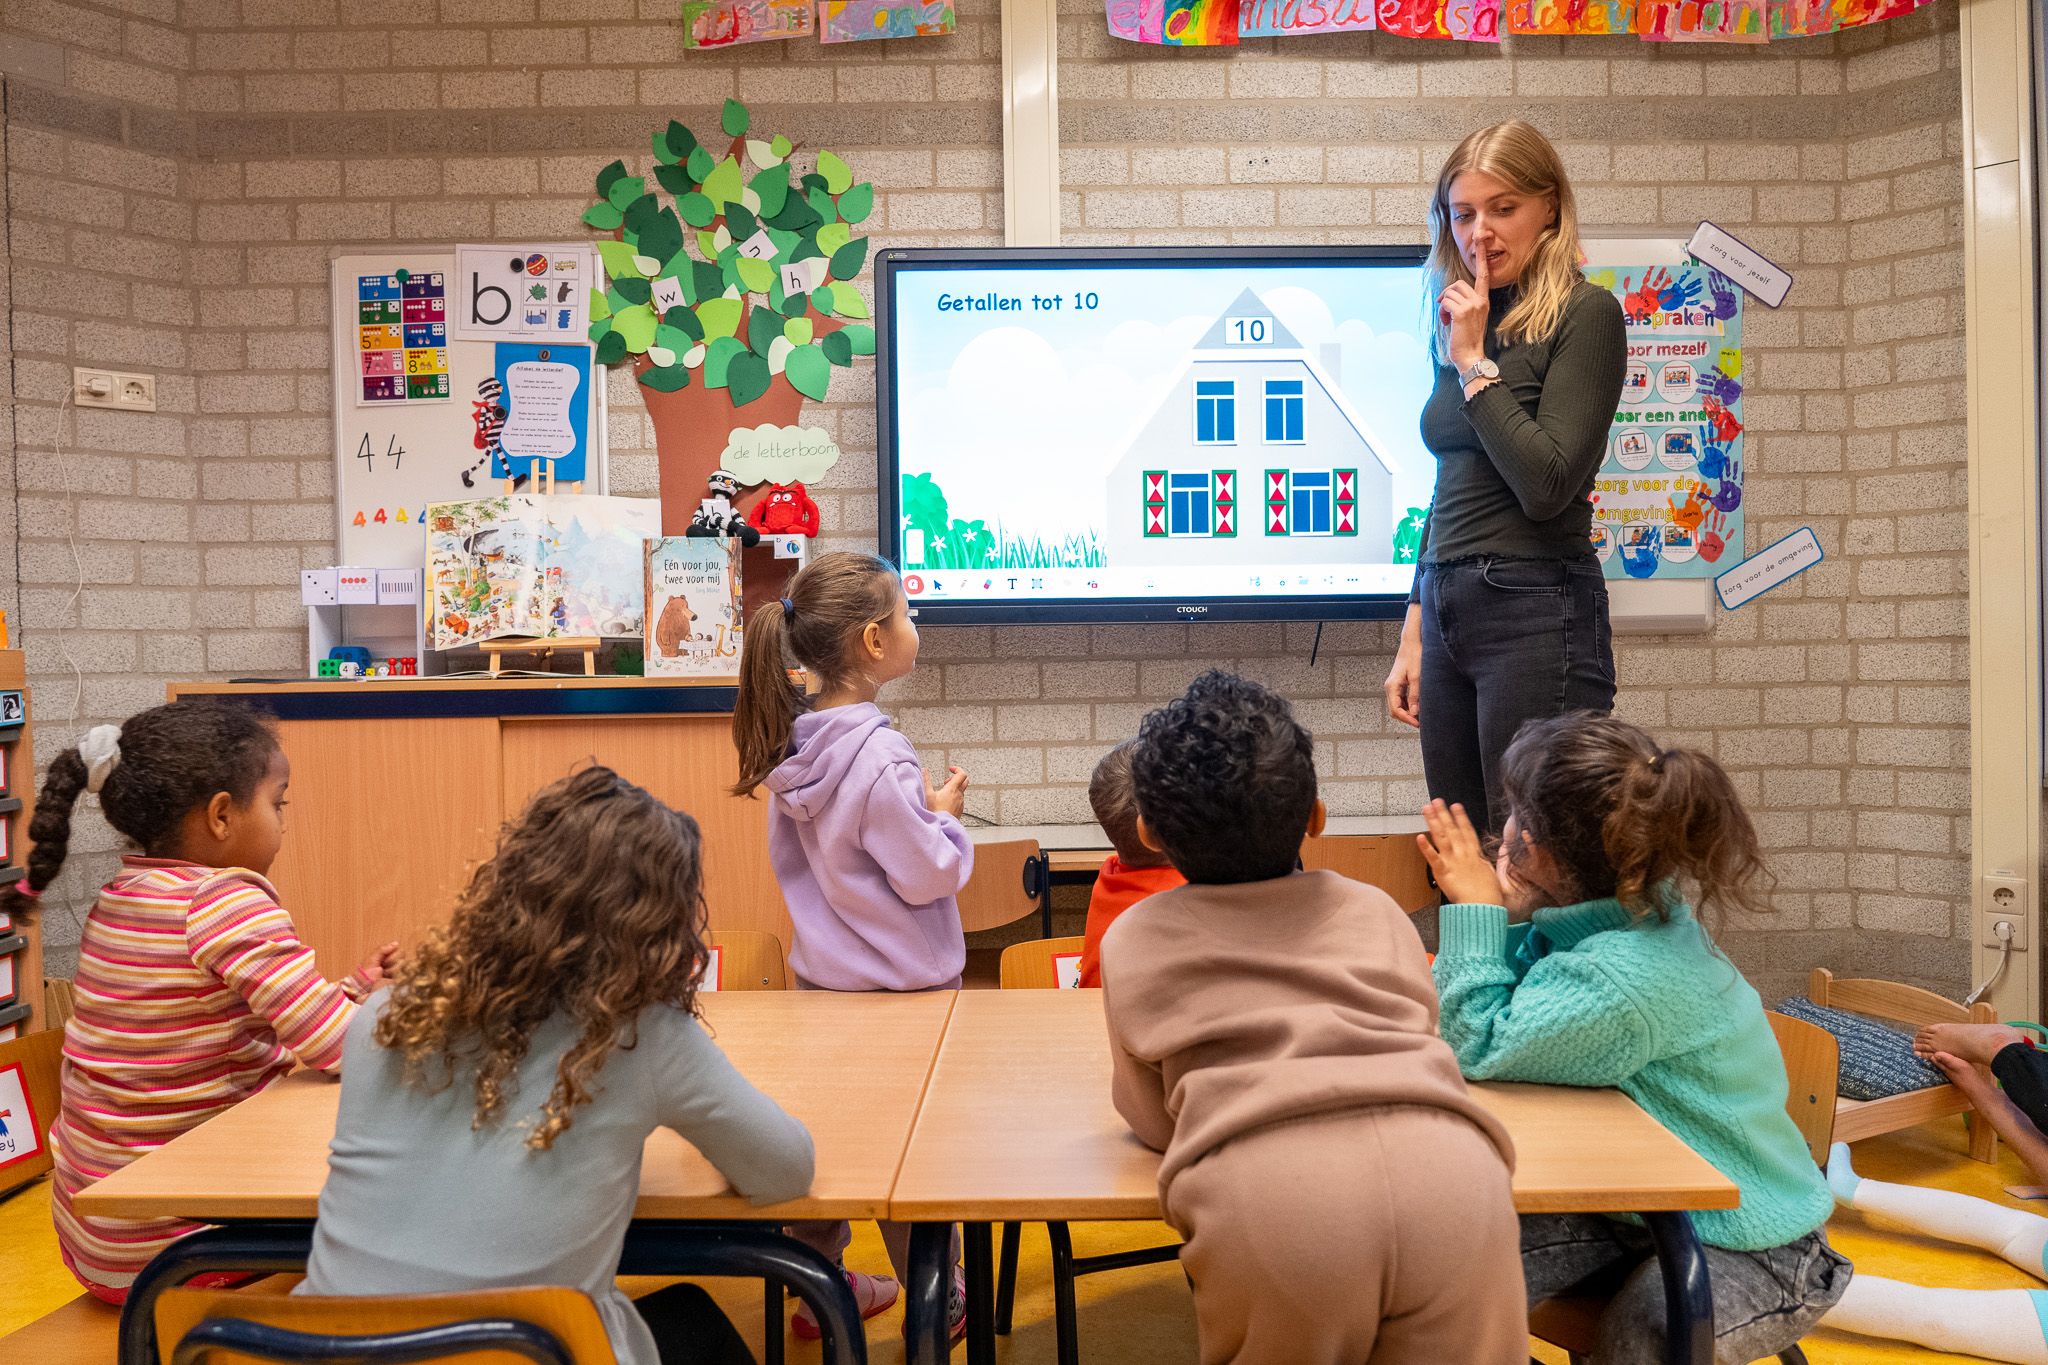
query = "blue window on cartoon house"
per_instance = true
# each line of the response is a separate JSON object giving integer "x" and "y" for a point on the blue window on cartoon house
{"x": 1215, "y": 411}
{"x": 1188, "y": 503}
{"x": 1283, "y": 411}
{"x": 1309, "y": 499}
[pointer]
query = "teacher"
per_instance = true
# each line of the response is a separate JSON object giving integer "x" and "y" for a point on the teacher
{"x": 1507, "y": 621}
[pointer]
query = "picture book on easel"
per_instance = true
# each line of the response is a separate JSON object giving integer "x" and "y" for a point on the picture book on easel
{"x": 693, "y": 607}
{"x": 540, "y": 567}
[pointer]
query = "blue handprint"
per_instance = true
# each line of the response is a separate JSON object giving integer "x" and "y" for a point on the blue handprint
{"x": 1678, "y": 294}
{"x": 1725, "y": 298}
{"x": 1728, "y": 496}
{"x": 1640, "y": 559}
{"x": 1722, "y": 388}
{"x": 1713, "y": 460}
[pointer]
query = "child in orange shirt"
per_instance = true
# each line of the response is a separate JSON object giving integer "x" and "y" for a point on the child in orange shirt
{"x": 1131, "y": 873}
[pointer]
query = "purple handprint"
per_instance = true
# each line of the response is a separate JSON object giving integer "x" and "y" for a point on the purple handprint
{"x": 1723, "y": 389}
{"x": 1640, "y": 559}
{"x": 1725, "y": 300}
{"x": 1728, "y": 496}
{"x": 1678, "y": 294}
{"x": 1713, "y": 460}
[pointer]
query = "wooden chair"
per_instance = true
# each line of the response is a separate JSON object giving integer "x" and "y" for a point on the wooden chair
{"x": 1386, "y": 861}
{"x": 60, "y": 1002}
{"x": 1010, "y": 881}
{"x": 1859, "y": 1119}
{"x": 1812, "y": 1062}
{"x": 546, "y": 1325}
{"x": 749, "y": 960}
{"x": 39, "y": 1055}
{"x": 1027, "y": 966}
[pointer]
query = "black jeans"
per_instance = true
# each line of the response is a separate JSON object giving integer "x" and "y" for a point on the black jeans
{"x": 2024, "y": 1074}
{"x": 1505, "y": 641}
{"x": 690, "y": 1329}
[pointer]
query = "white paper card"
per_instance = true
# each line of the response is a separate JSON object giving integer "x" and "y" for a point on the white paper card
{"x": 398, "y": 586}
{"x": 1744, "y": 264}
{"x": 792, "y": 547}
{"x": 1067, "y": 970}
{"x": 356, "y": 587}
{"x": 759, "y": 247}
{"x": 18, "y": 1140}
{"x": 668, "y": 293}
{"x": 1778, "y": 563}
{"x": 317, "y": 587}
{"x": 714, "y": 970}
{"x": 801, "y": 277}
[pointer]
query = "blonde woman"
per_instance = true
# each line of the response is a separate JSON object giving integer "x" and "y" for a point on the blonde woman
{"x": 1508, "y": 619}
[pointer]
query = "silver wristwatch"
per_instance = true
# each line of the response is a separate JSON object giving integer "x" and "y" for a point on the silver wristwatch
{"x": 1481, "y": 368}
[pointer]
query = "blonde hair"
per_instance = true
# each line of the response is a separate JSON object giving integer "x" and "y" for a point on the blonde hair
{"x": 1521, "y": 158}
{"x": 829, "y": 603}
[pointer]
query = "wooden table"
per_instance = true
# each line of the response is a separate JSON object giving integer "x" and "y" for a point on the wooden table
{"x": 852, "y": 1067}
{"x": 1015, "y": 1134}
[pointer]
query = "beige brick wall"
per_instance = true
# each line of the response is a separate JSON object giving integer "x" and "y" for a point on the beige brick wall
{"x": 262, "y": 138}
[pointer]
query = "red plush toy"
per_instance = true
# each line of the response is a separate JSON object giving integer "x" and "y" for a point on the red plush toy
{"x": 787, "y": 510}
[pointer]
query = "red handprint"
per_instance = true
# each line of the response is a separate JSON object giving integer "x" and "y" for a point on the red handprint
{"x": 1712, "y": 543}
{"x": 1721, "y": 423}
{"x": 1641, "y": 304}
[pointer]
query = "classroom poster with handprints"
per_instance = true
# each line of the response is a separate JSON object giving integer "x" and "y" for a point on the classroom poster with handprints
{"x": 1668, "y": 500}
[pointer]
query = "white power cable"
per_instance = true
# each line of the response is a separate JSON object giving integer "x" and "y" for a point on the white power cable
{"x": 2005, "y": 932}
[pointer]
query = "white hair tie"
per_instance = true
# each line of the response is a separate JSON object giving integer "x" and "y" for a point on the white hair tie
{"x": 101, "y": 750}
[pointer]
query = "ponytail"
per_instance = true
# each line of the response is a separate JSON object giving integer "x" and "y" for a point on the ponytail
{"x": 49, "y": 831}
{"x": 1622, "y": 818}
{"x": 765, "y": 711}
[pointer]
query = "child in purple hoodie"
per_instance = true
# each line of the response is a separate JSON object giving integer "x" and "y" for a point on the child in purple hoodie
{"x": 869, "y": 855}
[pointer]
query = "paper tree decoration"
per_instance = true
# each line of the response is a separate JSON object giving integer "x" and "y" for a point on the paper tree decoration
{"x": 746, "y": 275}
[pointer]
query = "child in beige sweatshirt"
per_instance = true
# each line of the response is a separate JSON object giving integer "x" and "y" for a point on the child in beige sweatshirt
{"x": 1343, "y": 1196}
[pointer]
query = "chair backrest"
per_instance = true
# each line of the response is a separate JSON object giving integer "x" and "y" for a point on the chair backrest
{"x": 749, "y": 960}
{"x": 1000, "y": 891}
{"x": 567, "y": 1315}
{"x": 60, "y": 1002}
{"x": 1389, "y": 862}
{"x": 1030, "y": 966}
{"x": 1892, "y": 1000}
{"x": 1813, "y": 1065}
{"x": 29, "y": 1093}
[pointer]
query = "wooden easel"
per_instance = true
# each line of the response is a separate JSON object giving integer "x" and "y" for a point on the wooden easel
{"x": 587, "y": 645}
{"x": 542, "y": 473}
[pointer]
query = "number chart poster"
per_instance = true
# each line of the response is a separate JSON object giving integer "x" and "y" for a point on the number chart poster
{"x": 402, "y": 337}
{"x": 1668, "y": 499}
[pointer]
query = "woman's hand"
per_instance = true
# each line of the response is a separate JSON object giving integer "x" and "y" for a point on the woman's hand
{"x": 1404, "y": 680}
{"x": 1456, "y": 858}
{"x": 950, "y": 797}
{"x": 1462, "y": 309}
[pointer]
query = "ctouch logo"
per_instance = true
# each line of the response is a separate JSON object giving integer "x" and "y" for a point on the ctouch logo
{"x": 1191, "y": 611}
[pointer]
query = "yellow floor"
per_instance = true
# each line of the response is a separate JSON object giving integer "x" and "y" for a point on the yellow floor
{"x": 1144, "y": 1316}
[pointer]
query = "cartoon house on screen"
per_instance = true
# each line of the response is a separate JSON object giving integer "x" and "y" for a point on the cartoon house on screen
{"x": 1255, "y": 440}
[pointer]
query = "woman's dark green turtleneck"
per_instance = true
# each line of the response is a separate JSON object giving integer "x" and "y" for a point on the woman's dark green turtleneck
{"x": 1515, "y": 466}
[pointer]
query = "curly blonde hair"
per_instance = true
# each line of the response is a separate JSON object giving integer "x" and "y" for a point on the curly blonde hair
{"x": 592, "y": 906}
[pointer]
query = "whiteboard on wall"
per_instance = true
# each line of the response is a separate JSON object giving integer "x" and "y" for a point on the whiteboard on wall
{"x": 392, "y": 458}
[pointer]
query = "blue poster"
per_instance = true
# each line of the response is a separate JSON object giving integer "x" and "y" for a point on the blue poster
{"x": 1668, "y": 500}
{"x": 545, "y": 393}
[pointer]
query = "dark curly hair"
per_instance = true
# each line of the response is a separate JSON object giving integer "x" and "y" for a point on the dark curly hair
{"x": 174, "y": 759}
{"x": 1226, "y": 779}
{"x": 593, "y": 906}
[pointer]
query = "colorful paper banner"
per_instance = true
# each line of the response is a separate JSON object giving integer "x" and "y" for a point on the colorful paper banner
{"x": 1222, "y": 23}
{"x": 727, "y": 23}
{"x": 861, "y": 21}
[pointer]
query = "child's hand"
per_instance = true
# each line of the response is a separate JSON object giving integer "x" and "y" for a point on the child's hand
{"x": 1452, "y": 849}
{"x": 375, "y": 968}
{"x": 949, "y": 798}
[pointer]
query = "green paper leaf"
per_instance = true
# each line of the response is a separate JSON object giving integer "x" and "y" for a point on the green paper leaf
{"x": 708, "y": 278}
{"x": 610, "y": 176}
{"x": 764, "y": 325}
{"x": 603, "y": 217}
{"x": 639, "y": 214}
{"x": 813, "y": 181}
{"x": 837, "y": 348}
{"x": 785, "y": 243}
{"x": 661, "y": 238}
{"x": 662, "y": 153}
{"x": 696, "y": 210}
{"x": 674, "y": 338}
{"x": 847, "y": 261}
{"x": 685, "y": 321}
{"x": 755, "y": 275}
{"x": 822, "y": 299}
{"x": 860, "y": 336}
{"x": 734, "y": 119}
{"x": 675, "y": 180}
{"x": 809, "y": 372}
{"x": 739, "y": 222}
{"x": 720, "y": 316}
{"x": 681, "y": 141}
{"x": 857, "y": 203}
{"x": 634, "y": 291}
{"x": 795, "y": 305}
{"x": 761, "y": 154}
{"x": 700, "y": 164}
{"x": 725, "y": 184}
{"x": 707, "y": 246}
{"x": 781, "y": 145}
{"x": 600, "y": 306}
{"x": 747, "y": 378}
{"x": 625, "y": 190}
{"x": 636, "y": 326}
{"x": 822, "y": 205}
{"x": 798, "y": 330}
{"x": 772, "y": 188}
{"x": 618, "y": 261}
{"x": 611, "y": 348}
{"x": 718, "y": 355}
{"x": 666, "y": 378}
{"x": 832, "y": 236}
{"x": 838, "y": 179}
{"x": 796, "y": 215}
{"x": 847, "y": 303}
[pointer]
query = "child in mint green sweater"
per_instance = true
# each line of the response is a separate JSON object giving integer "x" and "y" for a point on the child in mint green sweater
{"x": 1574, "y": 958}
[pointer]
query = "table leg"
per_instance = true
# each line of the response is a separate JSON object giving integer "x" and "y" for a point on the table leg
{"x": 1688, "y": 1295}
{"x": 926, "y": 1340}
{"x": 268, "y": 1246}
{"x": 981, "y": 1318}
{"x": 772, "y": 1327}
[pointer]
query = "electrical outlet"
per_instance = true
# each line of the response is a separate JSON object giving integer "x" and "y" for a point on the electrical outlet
{"x": 113, "y": 389}
{"x": 2005, "y": 899}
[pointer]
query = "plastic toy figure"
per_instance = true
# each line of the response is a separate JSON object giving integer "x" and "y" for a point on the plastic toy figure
{"x": 787, "y": 510}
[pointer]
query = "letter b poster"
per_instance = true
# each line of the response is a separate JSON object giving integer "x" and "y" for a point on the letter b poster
{"x": 520, "y": 292}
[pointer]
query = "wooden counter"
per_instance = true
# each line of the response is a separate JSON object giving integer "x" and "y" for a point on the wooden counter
{"x": 399, "y": 786}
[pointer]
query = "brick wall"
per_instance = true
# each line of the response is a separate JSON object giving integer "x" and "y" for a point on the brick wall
{"x": 246, "y": 144}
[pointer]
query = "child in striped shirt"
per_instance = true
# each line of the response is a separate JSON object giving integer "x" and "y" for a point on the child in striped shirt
{"x": 194, "y": 991}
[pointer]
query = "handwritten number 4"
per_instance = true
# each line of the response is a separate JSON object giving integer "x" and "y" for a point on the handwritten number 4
{"x": 392, "y": 449}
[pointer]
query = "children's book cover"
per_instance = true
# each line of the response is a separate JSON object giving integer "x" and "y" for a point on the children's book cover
{"x": 525, "y": 565}
{"x": 693, "y": 607}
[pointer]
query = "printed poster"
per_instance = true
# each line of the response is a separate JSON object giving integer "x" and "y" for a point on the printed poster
{"x": 544, "y": 394}
{"x": 18, "y": 1140}
{"x": 693, "y": 607}
{"x": 539, "y": 567}
{"x": 402, "y": 338}
{"x": 727, "y": 23}
{"x": 860, "y": 21}
{"x": 1668, "y": 499}
{"x": 511, "y": 292}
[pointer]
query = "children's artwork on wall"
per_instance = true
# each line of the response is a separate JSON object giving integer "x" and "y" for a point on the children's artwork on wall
{"x": 727, "y": 23}
{"x": 1667, "y": 502}
{"x": 401, "y": 335}
{"x": 860, "y": 21}
{"x": 693, "y": 607}
{"x": 1293, "y": 18}
{"x": 545, "y": 393}
{"x": 508, "y": 292}
{"x": 1175, "y": 23}
{"x": 1483, "y": 21}
{"x": 518, "y": 565}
